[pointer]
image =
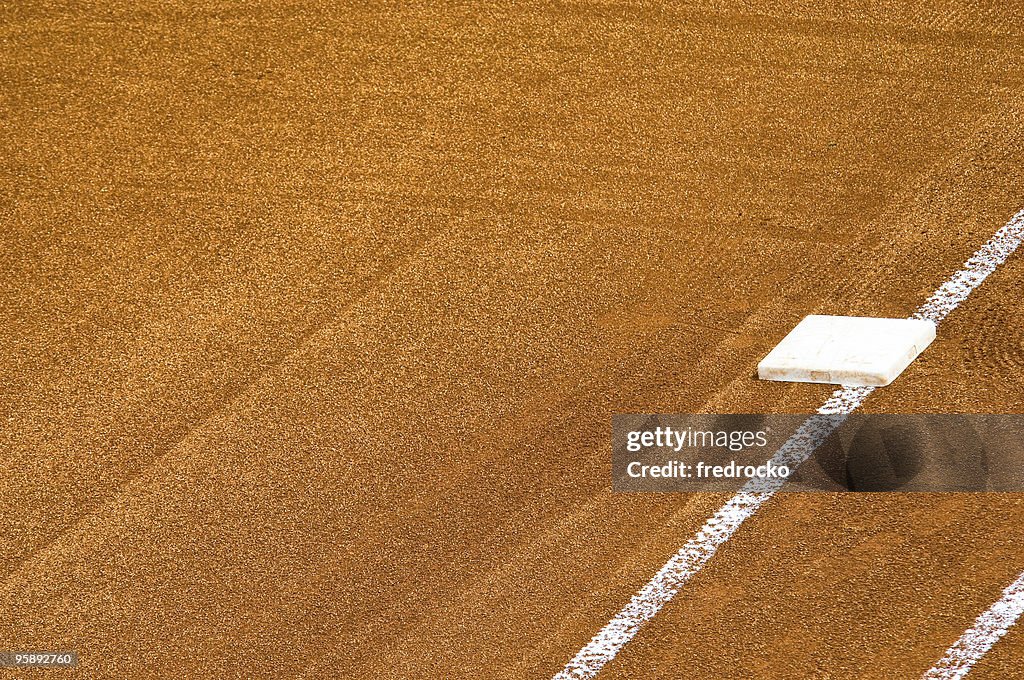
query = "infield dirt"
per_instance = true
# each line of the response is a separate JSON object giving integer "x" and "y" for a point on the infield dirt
{"x": 313, "y": 322}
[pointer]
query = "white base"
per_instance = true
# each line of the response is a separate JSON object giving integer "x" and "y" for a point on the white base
{"x": 847, "y": 350}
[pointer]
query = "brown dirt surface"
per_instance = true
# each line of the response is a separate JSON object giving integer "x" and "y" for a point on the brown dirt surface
{"x": 312, "y": 321}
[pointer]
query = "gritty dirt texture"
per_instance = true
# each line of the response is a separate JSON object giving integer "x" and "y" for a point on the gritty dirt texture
{"x": 313, "y": 322}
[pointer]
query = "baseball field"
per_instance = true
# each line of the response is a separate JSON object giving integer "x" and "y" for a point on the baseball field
{"x": 313, "y": 321}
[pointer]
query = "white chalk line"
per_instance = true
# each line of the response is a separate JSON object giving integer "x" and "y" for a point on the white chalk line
{"x": 979, "y": 638}
{"x": 649, "y": 600}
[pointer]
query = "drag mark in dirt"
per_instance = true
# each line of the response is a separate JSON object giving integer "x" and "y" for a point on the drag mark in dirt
{"x": 646, "y": 603}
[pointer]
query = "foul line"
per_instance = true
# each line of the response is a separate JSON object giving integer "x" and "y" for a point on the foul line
{"x": 646, "y": 603}
{"x": 979, "y": 638}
